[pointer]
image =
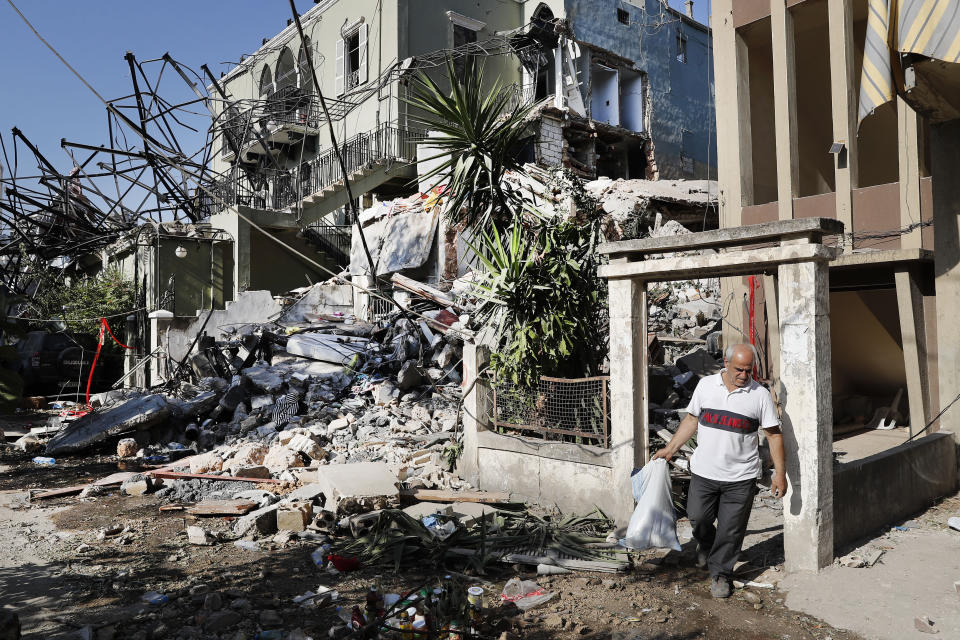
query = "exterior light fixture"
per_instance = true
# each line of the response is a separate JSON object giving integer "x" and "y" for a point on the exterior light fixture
{"x": 837, "y": 147}
{"x": 180, "y": 251}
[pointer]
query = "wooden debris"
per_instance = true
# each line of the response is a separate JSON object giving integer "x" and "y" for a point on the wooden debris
{"x": 112, "y": 479}
{"x": 172, "y": 507}
{"x": 440, "y": 495}
{"x": 425, "y": 291}
{"x": 172, "y": 475}
{"x": 222, "y": 508}
{"x": 57, "y": 493}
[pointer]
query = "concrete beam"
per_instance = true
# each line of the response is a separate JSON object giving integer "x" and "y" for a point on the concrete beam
{"x": 785, "y": 107}
{"x": 807, "y": 414}
{"x": 734, "y": 263}
{"x": 782, "y": 230}
{"x": 477, "y": 409}
{"x": 914, "y": 338}
{"x": 628, "y": 388}
{"x": 843, "y": 87}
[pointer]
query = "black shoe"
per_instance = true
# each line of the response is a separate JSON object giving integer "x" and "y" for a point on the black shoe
{"x": 720, "y": 587}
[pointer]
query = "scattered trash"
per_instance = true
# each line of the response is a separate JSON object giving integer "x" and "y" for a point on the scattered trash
{"x": 526, "y": 594}
{"x": 249, "y": 545}
{"x": 45, "y": 461}
{"x": 654, "y": 521}
{"x": 925, "y": 624}
{"x": 154, "y": 598}
{"x": 954, "y": 523}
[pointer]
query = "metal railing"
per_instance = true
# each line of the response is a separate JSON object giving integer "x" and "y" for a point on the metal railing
{"x": 280, "y": 189}
{"x": 562, "y": 409}
{"x": 333, "y": 239}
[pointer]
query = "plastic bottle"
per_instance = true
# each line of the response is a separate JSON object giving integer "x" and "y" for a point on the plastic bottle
{"x": 152, "y": 597}
{"x": 357, "y": 620}
{"x": 46, "y": 461}
{"x": 319, "y": 555}
{"x": 344, "y": 615}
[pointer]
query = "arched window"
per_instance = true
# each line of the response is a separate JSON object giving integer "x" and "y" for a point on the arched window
{"x": 303, "y": 67}
{"x": 266, "y": 82}
{"x": 286, "y": 72}
{"x": 541, "y": 27}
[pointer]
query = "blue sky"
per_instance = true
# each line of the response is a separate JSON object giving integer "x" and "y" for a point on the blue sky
{"x": 43, "y": 99}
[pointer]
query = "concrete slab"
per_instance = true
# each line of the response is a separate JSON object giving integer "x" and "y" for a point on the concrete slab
{"x": 357, "y": 480}
{"x": 423, "y": 509}
{"x": 913, "y": 579}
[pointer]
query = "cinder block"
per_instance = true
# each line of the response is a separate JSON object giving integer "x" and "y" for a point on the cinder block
{"x": 294, "y": 516}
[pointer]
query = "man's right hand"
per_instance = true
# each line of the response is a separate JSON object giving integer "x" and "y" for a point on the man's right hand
{"x": 663, "y": 453}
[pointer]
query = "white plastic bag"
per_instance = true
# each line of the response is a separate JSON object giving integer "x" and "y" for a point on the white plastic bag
{"x": 654, "y": 521}
{"x": 526, "y": 594}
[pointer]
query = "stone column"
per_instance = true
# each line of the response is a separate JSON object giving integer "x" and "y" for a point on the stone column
{"x": 628, "y": 388}
{"x": 477, "y": 409}
{"x": 159, "y": 322}
{"x": 807, "y": 414}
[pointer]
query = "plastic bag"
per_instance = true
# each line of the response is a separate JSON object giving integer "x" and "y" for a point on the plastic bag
{"x": 654, "y": 521}
{"x": 526, "y": 594}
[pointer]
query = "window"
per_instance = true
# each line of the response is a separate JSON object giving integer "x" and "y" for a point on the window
{"x": 681, "y": 49}
{"x": 462, "y": 36}
{"x": 623, "y": 16}
{"x": 352, "y": 59}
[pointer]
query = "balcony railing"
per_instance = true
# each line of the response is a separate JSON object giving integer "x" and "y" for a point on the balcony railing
{"x": 281, "y": 189}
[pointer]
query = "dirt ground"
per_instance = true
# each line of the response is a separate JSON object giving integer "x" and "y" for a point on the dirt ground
{"x": 60, "y": 574}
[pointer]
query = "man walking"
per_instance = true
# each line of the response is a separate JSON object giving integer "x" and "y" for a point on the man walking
{"x": 728, "y": 409}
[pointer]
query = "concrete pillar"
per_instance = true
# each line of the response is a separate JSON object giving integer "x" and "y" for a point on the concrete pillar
{"x": 159, "y": 322}
{"x": 239, "y": 230}
{"x": 908, "y": 134}
{"x": 807, "y": 414}
{"x": 477, "y": 409}
{"x": 628, "y": 388}
{"x": 843, "y": 92}
{"x": 914, "y": 338}
{"x": 944, "y": 160}
{"x": 785, "y": 107}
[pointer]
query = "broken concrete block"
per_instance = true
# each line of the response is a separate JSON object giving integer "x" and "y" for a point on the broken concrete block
{"x": 280, "y": 458}
{"x": 127, "y": 448}
{"x": 248, "y": 454}
{"x": 699, "y": 362}
{"x": 264, "y": 520}
{"x": 200, "y": 536}
{"x": 421, "y": 413}
{"x": 355, "y": 480}
{"x": 423, "y": 509}
{"x": 471, "y": 512}
{"x": 206, "y": 462}
{"x": 132, "y": 415}
{"x": 250, "y": 471}
{"x": 264, "y": 379}
{"x": 137, "y": 485}
{"x": 294, "y": 516}
{"x": 262, "y": 498}
{"x": 307, "y": 446}
{"x": 337, "y": 425}
{"x": 410, "y": 376}
{"x": 307, "y": 493}
{"x": 384, "y": 394}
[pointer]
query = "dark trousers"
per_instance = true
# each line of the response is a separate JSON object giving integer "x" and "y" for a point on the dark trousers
{"x": 727, "y": 503}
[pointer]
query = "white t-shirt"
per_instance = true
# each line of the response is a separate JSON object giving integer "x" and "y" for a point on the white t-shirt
{"x": 727, "y": 435}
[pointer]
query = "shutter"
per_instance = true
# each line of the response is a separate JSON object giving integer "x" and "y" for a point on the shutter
{"x": 341, "y": 61}
{"x": 363, "y": 53}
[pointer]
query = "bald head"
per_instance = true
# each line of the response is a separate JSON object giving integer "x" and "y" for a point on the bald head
{"x": 740, "y": 359}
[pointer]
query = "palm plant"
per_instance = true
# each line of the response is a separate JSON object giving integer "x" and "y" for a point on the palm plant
{"x": 478, "y": 135}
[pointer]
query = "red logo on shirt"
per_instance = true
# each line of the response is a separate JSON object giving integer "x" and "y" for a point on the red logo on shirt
{"x": 728, "y": 421}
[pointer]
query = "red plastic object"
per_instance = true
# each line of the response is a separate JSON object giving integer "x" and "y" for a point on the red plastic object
{"x": 343, "y": 564}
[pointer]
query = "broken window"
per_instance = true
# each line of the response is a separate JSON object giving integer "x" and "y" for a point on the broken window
{"x": 623, "y": 16}
{"x": 681, "y": 48}
{"x": 462, "y": 36}
{"x": 352, "y": 59}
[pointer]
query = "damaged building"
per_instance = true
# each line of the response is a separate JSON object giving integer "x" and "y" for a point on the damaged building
{"x": 618, "y": 92}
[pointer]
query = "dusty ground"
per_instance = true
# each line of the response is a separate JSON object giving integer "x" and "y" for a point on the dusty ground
{"x": 59, "y": 575}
